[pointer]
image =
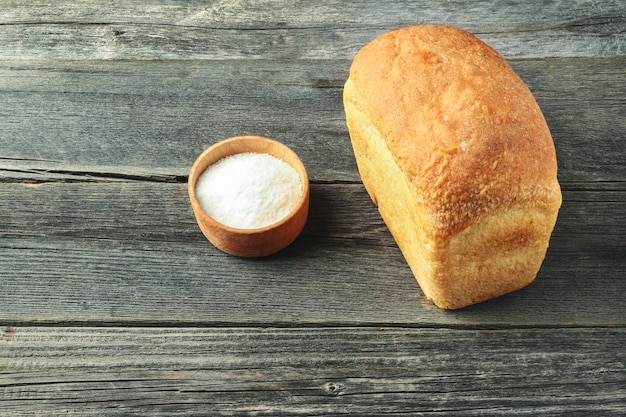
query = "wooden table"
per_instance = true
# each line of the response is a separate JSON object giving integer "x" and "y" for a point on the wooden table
{"x": 113, "y": 303}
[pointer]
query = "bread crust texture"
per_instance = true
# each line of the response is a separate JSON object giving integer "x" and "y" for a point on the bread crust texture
{"x": 454, "y": 150}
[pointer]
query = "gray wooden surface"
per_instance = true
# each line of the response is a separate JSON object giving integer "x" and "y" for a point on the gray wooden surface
{"x": 113, "y": 303}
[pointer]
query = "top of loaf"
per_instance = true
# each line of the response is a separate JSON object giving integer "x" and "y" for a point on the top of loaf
{"x": 460, "y": 123}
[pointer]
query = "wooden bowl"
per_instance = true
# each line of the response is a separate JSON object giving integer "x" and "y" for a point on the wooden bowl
{"x": 250, "y": 243}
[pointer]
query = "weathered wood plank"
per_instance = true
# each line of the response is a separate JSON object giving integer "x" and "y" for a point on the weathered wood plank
{"x": 103, "y": 108}
{"x": 294, "y": 30}
{"x": 154, "y": 118}
{"x": 314, "y": 371}
{"x": 123, "y": 252}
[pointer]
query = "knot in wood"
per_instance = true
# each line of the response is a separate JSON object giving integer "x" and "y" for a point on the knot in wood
{"x": 334, "y": 388}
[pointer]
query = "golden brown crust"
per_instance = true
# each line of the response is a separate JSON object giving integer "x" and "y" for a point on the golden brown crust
{"x": 453, "y": 148}
{"x": 459, "y": 121}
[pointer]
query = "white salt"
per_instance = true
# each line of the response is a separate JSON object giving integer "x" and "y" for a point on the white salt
{"x": 249, "y": 190}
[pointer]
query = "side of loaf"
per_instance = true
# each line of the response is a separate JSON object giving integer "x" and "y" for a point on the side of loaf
{"x": 455, "y": 152}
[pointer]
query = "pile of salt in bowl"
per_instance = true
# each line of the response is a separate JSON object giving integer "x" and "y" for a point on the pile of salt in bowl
{"x": 249, "y": 190}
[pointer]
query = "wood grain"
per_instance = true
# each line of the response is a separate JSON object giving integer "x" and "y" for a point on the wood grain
{"x": 113, "y": 303}
{"x": 153, "y": 119}
{"x": 311, "y": 371}
{"x": 296, "y": 30}
{"x": 132, "y": 252}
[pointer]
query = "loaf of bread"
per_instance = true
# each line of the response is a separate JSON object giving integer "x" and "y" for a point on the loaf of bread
{"x": 455, "y": 152}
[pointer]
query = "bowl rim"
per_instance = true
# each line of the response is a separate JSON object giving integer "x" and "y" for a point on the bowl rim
{"x": 301, "y": 170}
